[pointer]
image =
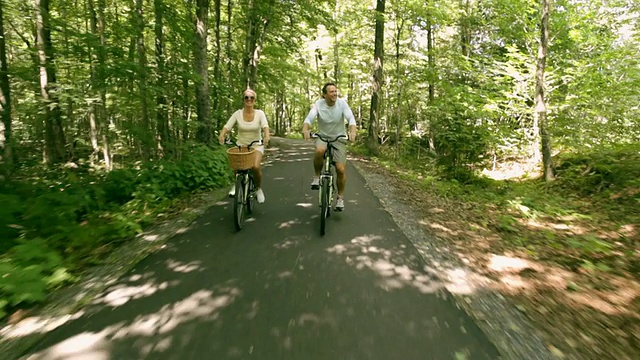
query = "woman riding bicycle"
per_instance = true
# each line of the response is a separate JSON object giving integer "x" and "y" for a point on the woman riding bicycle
{"x": 250, "y": 123}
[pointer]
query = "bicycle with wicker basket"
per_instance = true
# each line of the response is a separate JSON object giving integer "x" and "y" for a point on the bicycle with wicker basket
{"x": 242, "y": 160}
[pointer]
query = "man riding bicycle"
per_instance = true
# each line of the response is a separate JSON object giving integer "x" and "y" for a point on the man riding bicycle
{"x": 331, "y": 112}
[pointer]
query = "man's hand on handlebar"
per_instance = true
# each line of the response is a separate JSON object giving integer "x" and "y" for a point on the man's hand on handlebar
{"x": 352, "y": 133}
{"x": 352, "y": 136}
{"x": 306, "y": 131}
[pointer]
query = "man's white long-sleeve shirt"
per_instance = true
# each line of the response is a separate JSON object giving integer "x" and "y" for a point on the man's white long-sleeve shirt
{"x": 331, "y": 119}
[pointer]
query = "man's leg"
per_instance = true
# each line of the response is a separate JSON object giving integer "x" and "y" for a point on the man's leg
{"x": 341, "y": 171}
{"x": 340, "y": 156}
{"x": 318, "y": 161}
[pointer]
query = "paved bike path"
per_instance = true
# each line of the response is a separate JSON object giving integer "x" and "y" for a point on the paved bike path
{"x": 277, "y": 289}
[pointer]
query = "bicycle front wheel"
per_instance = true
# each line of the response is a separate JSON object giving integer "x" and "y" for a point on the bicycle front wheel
{"x": 324, "y": 208}
{"x": 238, "y": 204}
{"x": 251, "y": 192}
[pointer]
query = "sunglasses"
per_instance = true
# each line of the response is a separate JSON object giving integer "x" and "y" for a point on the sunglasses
{"x": 249, "y": 97}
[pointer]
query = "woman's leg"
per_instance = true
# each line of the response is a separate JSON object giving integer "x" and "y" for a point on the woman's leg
{"x": 257, "y": 170}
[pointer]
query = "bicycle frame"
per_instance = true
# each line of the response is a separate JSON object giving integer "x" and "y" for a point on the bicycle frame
{"x": 244, "y": 195}
{"x": 327, "y": 189}
{"x": 327, "y": 175}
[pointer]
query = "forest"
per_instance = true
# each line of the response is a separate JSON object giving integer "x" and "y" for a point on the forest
{"x": 526, "y": 111}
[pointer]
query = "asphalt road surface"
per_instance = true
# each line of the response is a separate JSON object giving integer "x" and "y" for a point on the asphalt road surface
{"x": 277, "y": 289}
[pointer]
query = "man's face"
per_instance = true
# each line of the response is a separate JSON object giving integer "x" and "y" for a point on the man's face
{"x": 332, "y": 94}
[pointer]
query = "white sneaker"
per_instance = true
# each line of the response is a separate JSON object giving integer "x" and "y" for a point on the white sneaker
{"x": 260, "y": 196}
{"x": 339, "y": 204}
{"x": 315, "y": 183}
{"x": 232, "y": 192}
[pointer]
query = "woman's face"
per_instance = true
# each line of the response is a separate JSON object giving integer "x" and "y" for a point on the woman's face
{"x": 249, "y": 97}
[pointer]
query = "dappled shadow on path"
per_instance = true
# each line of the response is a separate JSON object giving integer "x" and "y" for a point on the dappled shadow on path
{"x": 277, "y": 290}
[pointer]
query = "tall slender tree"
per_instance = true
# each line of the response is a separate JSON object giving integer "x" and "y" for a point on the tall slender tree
{"x": 217, "y": 74}
{"x": 258, "y": 20}
{"x": 97, "y": 116}
{"x": 6, "y": 138}
{"x": 541, "y": 106}
{"x": 162, "y": 121}
{"x": 378, "y": 58}
{"x": 399, "y": 23}
{"x": 205, "y": 126}
{"x": 141, "y": 51}
{"x": 54, "y": 132}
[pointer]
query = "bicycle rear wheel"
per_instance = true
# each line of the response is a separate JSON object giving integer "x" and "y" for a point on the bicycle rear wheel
{"x": 238, "y": 204}
{"x": 324, "y": 208}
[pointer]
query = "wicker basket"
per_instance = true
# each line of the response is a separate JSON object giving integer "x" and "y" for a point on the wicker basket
{"x": 241, "y": 158}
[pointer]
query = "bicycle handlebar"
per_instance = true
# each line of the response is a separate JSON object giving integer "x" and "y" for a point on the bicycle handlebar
{"x": 326, "y": 139}
{"x": 230, "y": 142}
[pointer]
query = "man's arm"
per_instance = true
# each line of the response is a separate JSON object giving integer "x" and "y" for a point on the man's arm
{"x": 353, "y": 130}
{"x": 305, "y": 131}
{"x": 306, "y": 126}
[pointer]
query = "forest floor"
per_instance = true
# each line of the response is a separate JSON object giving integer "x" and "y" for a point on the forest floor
{"x": 574, "y": 276}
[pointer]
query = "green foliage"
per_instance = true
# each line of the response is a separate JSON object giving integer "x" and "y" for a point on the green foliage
{"x": 10, "y": 211}
{"x": 28, "y": 270}
{"x": 54, "y": 226}
{"x": 608, "y": 172}
{"x": 590, "y": 244}
{"x": 460, "y": 143}
{"x": 507, "y": 223}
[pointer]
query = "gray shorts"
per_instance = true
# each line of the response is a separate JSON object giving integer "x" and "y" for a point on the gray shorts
{"x": 339, "y": 149}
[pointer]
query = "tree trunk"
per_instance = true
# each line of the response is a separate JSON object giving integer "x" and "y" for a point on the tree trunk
{"x": 97, "y": 117}
{"x": 54, "y": 151}
{"x": 186, "y": 109}
{"x": 378, "y": 57}
{"x": 216, "y": 67}
{"x": 94, "y": 77}
{"x": 228, "y": 53}
{"x": 399, "y": 28}
{"x": 204, "y": 132}
{"x": 6, "y": 137}
{"x": 432, "y": 68}
{"x": 541, "y": 107}
{"x": 162, "y": 122}
{"x": 465, "y": 31}
{"x": 249, "y": 43}
{"x": 145, "y": 130}
{"x": 256, "y": 30}
{"x": 102, "y": 68}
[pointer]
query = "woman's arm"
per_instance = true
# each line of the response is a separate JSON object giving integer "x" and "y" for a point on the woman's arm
{"x": 223, "y": 132}
{"x": 266, "y": 135}
{"x": 226, "y": 128}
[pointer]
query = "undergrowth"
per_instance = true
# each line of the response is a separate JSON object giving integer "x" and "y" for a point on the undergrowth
{"x": 56, "y": 222}
{"x": 586, "y": 220}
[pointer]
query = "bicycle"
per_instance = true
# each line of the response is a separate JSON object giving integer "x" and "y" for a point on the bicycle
{"x": 328, "y": 188}
{"x": 242, "y": 160}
